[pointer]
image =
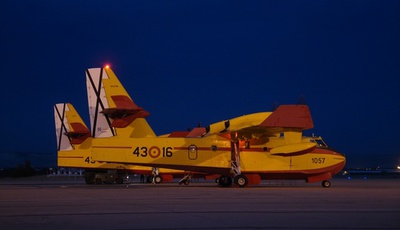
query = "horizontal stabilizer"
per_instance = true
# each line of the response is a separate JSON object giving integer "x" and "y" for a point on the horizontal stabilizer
{"x": 121, "y": 118}
{"x": 125, "y": 112}
{"x": 78, "y": 133}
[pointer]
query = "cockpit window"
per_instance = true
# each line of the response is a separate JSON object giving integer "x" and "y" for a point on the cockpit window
{"x": 319, "y": 142}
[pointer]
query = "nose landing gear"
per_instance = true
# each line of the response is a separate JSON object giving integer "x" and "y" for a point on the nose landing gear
{"x": 326, "y": 184}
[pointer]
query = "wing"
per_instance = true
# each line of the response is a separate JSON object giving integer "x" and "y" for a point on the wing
{"x": 286, "y": 118}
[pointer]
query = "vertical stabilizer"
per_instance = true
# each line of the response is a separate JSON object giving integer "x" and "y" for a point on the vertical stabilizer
{"x": 111, "y": 108}
{"x": 100, "y": 125}
{"x": 70, "y": 128}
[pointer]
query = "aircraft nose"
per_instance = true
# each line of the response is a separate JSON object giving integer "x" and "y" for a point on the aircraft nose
{"x": 339, "y": 156}
{"x": 341, "y": 163}
{"x": 342, "y": 156}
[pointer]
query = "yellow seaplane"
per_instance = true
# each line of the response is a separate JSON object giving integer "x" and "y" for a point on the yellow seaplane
{"x": 240, "y": 151}
{"x": 74, "y": 142}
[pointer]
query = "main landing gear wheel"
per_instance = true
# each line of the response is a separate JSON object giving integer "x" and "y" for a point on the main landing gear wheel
{"x": 225, "y": 181}
{"x": 326, "y": 184}
{"x": 241, "y": 180}
{"x": 157, "y": 179}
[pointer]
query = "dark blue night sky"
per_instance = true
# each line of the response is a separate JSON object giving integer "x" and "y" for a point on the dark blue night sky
{"x": 204, "y": 61}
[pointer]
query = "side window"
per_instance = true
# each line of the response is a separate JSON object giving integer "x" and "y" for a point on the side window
{"x": 192, "y": 152}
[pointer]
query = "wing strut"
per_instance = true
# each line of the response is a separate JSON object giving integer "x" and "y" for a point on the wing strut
{"x": 235, "y": 155}
{"x": 156, "y": 178}
{"x": 239, "y": 179}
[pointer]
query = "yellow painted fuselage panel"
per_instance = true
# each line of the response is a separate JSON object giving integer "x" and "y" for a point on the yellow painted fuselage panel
{"x": 212, "y": 152}
{"x": 81, "y": 157}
